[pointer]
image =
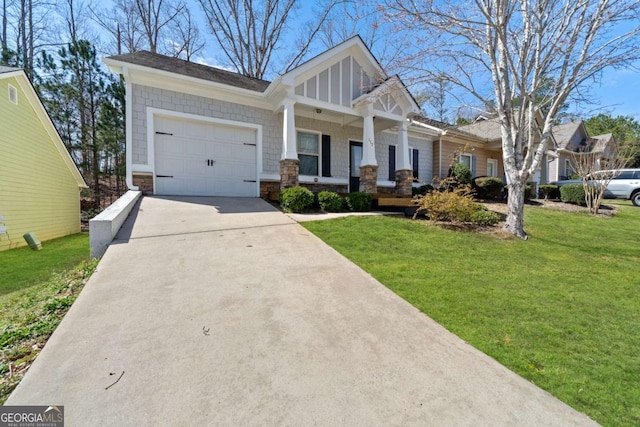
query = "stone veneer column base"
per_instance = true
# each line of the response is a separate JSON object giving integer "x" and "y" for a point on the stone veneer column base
{"x": 369, "y": 179}
{"x": 289, "y": 173}
{"x": 144, "y": 182}
{"x": 404, "y": 182}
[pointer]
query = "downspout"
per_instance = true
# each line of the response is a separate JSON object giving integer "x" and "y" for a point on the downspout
{"x": 128, "y": 95}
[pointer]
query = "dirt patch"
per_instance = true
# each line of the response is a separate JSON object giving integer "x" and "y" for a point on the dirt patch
{"x": 501, "y": 208}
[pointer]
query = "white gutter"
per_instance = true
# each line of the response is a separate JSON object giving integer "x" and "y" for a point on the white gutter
{"x": 426, "y": 126}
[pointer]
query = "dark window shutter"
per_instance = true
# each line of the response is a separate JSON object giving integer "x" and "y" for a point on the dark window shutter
{"x": 473, "y": 166}
{"x": 326, "y": 155}
{"x": 416, "y": 165}
{"x": 392, "y": 163}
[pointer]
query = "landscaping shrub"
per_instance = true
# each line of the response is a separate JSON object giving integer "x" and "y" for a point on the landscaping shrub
{"x": 483, "y": 216}
{"x": 359, "y": 202}
{"x": 573, "y": 193}
{"x": 296, "y": 199}
{"x": 455, "y": 206}
{"x": 549, "y": 191}
{"x": 527, "y": 193}
{"x": 488, "y": 187}
{"x": 461, "y": 173}
{"x": 422, "y": 190}
{"x": 330, "y": 201}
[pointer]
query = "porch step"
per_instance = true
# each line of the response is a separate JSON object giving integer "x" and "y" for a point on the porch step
{"x": 391, "y": 200}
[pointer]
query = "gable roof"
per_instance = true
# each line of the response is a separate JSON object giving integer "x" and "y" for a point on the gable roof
{"x": 191, "y": 69}
{"x": 355, "y": 41}
{"x": 488, "y": 129}
{"x": 565, "y": 131}
{"x": 45, "y": 120}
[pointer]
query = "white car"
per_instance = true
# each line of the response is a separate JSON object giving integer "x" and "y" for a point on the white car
{"x": 625, "y": 185}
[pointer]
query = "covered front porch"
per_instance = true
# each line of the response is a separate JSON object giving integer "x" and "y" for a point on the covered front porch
{"x": 339, "y": 114}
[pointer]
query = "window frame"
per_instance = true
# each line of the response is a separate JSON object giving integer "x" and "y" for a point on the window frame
{"x": 568, "y": 170}
{"x": 318, "y": 155}
{"x": 493, "y": 162}
{"x": 469, "y": 155}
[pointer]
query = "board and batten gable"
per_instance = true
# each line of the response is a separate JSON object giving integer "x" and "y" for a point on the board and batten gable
{"x": 38, "y": 191}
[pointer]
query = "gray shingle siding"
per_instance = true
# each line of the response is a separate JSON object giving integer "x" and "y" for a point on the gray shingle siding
{"x": 144, "y": 96}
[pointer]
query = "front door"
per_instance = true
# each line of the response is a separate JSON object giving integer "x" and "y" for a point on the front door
{"x": 355, "y": 158}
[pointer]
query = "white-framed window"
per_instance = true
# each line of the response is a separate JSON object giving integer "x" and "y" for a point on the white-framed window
{"x": 13, "y": 95}
{"x": 568, "y": 170}
{"x": 465, "y": 159}
{"x": 492, "y": 167}
{"x": 309, "y": 153}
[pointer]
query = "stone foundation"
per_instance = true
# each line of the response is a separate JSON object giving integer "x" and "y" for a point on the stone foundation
{"x": 369, "y": 179}
{"x": 386, "y": 190}
{"x": 144, "y": 182}
{"x": 289, "y": 173}
{"x": 268, "y": 189}
{"x": 404, "y": 182}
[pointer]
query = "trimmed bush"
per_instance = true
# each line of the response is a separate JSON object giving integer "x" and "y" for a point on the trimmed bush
{"x": 296, "y": 199}
{"x": 455, "y": 206}
{"x": 461, "y": 173}
{"x": 573, "y": 193}
{"x": 422, "y": 190}
{"x": 330, "y": 201}
{"x": 359, "y": 201}
{"x": 549, "y": 191}
{"x": 527, "y": 193}
{"x": 488, "y": 187}
{"x": 483, "y": 216}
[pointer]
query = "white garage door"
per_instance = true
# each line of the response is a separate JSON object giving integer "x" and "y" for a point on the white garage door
{"x": 195, "y": 158}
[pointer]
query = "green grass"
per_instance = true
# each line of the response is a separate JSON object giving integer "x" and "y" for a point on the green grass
{"x": 29, "y": 316}
{"x": 24, "y": 267}
{"x": 561, "y": 309}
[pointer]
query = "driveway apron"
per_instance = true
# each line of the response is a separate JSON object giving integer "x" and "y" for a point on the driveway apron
{"x": 221, "y": 311}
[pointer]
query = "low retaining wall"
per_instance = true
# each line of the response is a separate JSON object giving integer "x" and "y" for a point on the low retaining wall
{"x": 104, "y": 227}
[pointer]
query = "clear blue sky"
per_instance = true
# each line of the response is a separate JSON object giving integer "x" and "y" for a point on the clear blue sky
{"x": 618, "y": 93}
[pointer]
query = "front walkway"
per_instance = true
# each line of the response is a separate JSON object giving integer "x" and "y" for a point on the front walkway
{"x": 227, "y": 312}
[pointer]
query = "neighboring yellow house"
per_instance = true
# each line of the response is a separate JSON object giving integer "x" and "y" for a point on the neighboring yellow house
{"x": 39, "y": 182}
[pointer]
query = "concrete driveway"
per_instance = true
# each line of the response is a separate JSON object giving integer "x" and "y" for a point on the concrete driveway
{"x": 216, "y": 311}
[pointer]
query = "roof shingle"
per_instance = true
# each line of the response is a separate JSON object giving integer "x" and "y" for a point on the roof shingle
{"x": 192, "y": 69}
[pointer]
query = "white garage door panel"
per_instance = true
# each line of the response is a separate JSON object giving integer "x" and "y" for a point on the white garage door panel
{"x": 182, "y": 158}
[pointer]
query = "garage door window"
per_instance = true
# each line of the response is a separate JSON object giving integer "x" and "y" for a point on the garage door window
{"x": 309, "y": 153}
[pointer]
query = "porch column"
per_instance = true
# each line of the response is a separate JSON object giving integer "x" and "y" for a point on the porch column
{"x": 404, "y": 172}
{"x": 289, "y": 163}
{"x": 369, "y": 164}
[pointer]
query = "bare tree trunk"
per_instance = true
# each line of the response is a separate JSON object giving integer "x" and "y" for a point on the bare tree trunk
{"x": 29, "y": 48}
{"x": 23, "y": 33}
{"x": 515, "y": 210}
{"x": 4, "y": 46}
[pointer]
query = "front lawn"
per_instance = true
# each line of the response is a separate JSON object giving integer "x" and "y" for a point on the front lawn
{"x": 24, "y": 267}
{"x": 561, "y": 309}
{"x": 36, "y": 290}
